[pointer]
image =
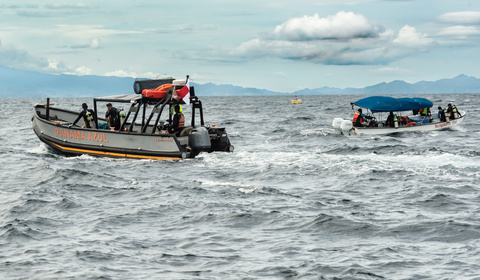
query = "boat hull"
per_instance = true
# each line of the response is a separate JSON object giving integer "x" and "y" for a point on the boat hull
{"x": 101, "y": 142}
{"x": 421, "y": 127}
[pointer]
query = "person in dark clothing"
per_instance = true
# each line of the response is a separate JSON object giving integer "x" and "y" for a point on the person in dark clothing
{"x": 451, "y": 110}
{"x": 178, "y": 121}
{"x": 441, "y": 114}
{"x": 113, "y": 116}
{"x": 88, "y": 116}
{"x": 390, "y": 118}
{"x": 359, "y": 119}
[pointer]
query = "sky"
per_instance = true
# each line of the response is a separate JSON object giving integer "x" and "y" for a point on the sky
{"x": 276, "y": 45}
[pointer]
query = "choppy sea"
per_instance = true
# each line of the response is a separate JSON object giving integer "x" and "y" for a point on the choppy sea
{"x": 294, "y": 201}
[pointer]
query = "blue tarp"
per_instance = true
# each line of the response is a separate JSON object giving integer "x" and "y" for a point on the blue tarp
{"x": 378, "y": 104}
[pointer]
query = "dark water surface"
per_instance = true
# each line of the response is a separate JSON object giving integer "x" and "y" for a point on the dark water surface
{"x": 294, "y": 201}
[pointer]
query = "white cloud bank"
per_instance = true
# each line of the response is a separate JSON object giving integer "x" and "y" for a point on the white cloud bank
{"x": 342, "y": 39}
{"x": 467, "y": 25}
{"x": 467, "y": 17}
{"x": 460, "y": 31}
{"x": 342, "y": 26}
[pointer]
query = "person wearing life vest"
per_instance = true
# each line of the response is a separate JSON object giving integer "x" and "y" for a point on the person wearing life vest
{"x": 113, "y": 116}
{"x": 178, "y": 121}
{"x": 88, "y": 115}
{"x": 359, "y": 119}
{"x": 424, "y": 112}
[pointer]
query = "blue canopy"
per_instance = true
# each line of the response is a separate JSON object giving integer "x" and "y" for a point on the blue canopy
{"x": 378, "y": 104}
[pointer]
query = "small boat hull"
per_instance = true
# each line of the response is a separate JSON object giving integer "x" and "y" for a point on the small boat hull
{"x": 341, "y": 128}
{"x": 297, "y": 101}
{"x": 424, "y": 127}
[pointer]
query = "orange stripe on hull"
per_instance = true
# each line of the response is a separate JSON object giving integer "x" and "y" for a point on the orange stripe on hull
{"x": 111, "y": 154}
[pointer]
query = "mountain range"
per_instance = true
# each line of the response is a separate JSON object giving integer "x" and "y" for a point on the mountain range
{"x": 24, "y": 84}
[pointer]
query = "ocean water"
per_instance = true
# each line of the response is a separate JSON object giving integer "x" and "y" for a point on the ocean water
{"x": 294, "y": 201}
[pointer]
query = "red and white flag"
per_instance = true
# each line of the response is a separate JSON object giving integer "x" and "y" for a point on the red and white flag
{"x": 184, "y": 93}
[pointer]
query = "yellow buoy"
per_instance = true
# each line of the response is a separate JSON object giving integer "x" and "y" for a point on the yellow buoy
{"x": 296, "y": 101}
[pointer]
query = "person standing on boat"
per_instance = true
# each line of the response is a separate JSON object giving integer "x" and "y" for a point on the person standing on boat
{"x": 390, "y": 121}
{"x": 88, "y": 116}
{"x": 113, "y": 116}
{"x": 441, "y": 114}
{"x": 451, "y": 110}
{"x": 178, "y": 121}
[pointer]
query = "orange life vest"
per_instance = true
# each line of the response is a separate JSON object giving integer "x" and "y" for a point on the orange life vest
{"x": 181, "y": 121}
{"x": 355, "y": 117}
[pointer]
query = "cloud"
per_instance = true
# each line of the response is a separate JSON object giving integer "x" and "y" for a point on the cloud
{"x": 468, "y": 17}
{"x": 343, "y": 39}
{"x": 460, "y": 31}
{"x": 20, "y": 58}
{"x": 94, "y": 44}
{"x": 201, "y": 78}
{"x": 91, "y": 31}
{"x": 81, "y": 71}
{"x": 409, "y": 37}
{"x": 342, "y": 26}
{"x": 68, "y": 6}
{"x": 392, "y": 71}
{"x": 184, "y": 28}
{"x": 35, "y": 13}
{"x": 125, "y": 74}
{"x": 51, "y": 10}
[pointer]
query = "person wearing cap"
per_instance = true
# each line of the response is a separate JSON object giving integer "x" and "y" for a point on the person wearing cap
{"x": 113, "y": 116}
{"x": 451, "y": 110}
{"x": 178, "y": 121}
{"x": 359, "y": 119}
{"x": 88, "y": 116}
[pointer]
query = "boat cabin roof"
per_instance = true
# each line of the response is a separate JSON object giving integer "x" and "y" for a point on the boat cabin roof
{"x": 378, "y": 104}
{"x": 124, "y": 98}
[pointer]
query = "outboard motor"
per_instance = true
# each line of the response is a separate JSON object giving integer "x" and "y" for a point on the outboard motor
{"x": 198, "y": 139}
{"x": 346, "y": 127}
{"x": 219, "y": 140}
{"x": 336, "y": 125}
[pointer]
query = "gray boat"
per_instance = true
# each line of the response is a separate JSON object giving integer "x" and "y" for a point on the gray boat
{"x": 141, "y": 135}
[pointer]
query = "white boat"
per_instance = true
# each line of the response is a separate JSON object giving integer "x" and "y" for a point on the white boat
{"x": 405, "y": 120}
